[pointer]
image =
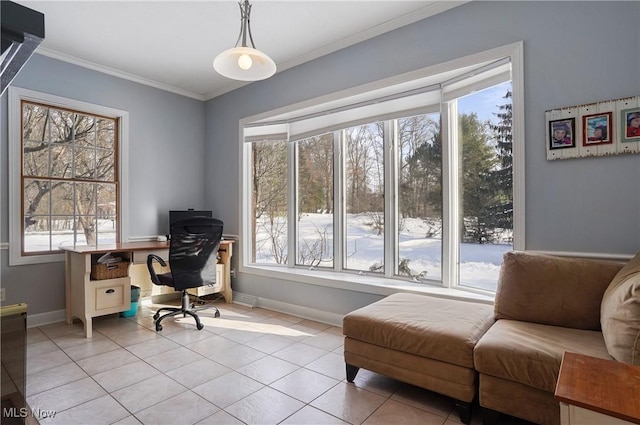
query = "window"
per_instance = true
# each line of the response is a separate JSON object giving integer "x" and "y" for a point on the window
{"x": 66, "y": 180}
{"x": 314, "y": 197}
{"x": 269, "y": 202}
{"x": 364, "y": 198}
{"x": 419, "y": 218}
{"x": 417, "y": 180}
{"x": 485, "y": 172}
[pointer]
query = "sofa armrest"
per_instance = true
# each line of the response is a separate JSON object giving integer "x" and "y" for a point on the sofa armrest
{"x": 552, "y": 290}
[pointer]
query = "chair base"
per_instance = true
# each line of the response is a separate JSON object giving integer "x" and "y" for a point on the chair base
{"x": 185, "y": 309}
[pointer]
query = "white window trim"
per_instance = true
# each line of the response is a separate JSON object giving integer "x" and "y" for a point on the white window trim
{"x": 348, "y": 281}
{"x": 16, "y": 95}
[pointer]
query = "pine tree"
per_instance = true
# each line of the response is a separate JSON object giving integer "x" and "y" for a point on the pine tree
{"x": 478, "y": 161}
{"x": 502, "y": 177}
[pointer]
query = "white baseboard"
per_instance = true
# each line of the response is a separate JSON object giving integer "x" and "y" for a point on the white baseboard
{"x": 40, "y": 319}
{"x": 294, "y": 310}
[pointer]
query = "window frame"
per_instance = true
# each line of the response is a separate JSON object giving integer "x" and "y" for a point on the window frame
{"x": 387, "y": 281}
{"x": 16, "y": 232}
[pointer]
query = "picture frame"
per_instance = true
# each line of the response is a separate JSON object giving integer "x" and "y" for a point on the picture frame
{"x": 597, "y": 129}
{"x": 630, "y": 125}
{"x": 606, "y": 128}
{"x": 562, "y": 133}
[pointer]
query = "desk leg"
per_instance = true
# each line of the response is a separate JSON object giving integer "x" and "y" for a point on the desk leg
{"x": 225, "y": 256}
{"x": 88, "y": 329}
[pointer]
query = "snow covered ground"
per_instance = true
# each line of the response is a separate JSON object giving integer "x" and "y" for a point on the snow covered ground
{"x": 479, "y": 263}
{"x": 39, "y": 241}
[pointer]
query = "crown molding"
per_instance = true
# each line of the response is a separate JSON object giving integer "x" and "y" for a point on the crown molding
{"x": 116, "y": 73}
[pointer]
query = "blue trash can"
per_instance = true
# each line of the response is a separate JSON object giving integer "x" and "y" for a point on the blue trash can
{"x": 135, "y": 298}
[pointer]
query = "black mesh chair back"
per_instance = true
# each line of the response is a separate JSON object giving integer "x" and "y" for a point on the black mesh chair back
{"x": 193, "y": 252}
{"x": 192, "y": 259}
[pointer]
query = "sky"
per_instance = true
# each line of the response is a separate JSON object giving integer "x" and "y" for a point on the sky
{"x": 484, "y": 102}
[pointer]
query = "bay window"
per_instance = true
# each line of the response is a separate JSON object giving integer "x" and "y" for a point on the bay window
{"x": 417, "y": 179}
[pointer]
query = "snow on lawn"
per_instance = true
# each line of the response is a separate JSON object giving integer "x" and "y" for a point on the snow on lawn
{"x": 39, "y": 240}
{"x": 419, "y": 244}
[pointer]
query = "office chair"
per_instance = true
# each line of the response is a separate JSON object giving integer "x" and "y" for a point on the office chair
{"x": 192, "y": 258}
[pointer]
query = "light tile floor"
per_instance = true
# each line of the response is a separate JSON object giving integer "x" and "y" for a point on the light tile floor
{"x": 249, "y": 366}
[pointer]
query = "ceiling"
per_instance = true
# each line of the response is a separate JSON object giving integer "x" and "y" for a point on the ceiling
{"x": 171, "y": 44}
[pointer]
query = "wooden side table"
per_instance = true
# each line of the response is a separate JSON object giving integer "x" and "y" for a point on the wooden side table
{"x": 595, "y": 391}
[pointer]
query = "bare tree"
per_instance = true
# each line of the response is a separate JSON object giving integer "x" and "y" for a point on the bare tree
{"x": 360, "y": 166}
{"x": 269, "y": 196}
{"x": 311, "y": 252}
{"x": 67, "y": 156}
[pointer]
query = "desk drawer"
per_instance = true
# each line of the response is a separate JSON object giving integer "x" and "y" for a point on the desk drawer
{"x": 140, "y": 257}
{"x": 111, "y": 294}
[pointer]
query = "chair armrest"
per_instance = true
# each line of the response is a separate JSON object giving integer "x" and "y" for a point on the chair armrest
{"x": 152, "y": 272}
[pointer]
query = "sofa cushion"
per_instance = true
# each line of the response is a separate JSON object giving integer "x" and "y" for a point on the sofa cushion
{"x": 620, "y": 314}
{"x": 553, "y": 290}
{"x": 436, "y": 328}
{"x": 530, "y": 353}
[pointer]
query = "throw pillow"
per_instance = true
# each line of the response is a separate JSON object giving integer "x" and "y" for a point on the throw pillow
{"x": 620, "y": 314}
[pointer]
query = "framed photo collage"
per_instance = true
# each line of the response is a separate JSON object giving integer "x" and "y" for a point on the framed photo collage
{"x": 597, "y": 129}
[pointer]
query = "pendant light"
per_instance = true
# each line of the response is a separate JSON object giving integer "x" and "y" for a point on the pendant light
{"x": 244, "y": 63}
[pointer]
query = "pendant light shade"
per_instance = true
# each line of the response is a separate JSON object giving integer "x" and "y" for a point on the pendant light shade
{"x": 244, "y": 63}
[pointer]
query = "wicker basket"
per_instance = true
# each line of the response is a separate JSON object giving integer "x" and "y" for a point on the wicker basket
{"x": 109, "y": 271}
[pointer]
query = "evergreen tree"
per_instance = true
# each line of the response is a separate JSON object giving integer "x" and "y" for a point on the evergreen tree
{"x": 477, "y": 162}
{"x": 502, "y": 176}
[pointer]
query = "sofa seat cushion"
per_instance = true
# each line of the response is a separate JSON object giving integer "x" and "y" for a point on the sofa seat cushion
{"x": 531, "y": 353}
{"x": 436, "y": 328}
{"x": 620, "y": 314}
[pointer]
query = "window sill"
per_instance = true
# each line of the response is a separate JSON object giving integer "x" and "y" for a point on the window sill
{"x": 365, "y": 283}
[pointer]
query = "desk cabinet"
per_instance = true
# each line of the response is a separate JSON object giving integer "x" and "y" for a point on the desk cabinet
{"x": 87, "y": 298}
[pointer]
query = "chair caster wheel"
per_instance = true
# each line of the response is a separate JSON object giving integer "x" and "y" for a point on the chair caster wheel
{"x": 155, "y": 316}
{"x": 200, "y": 326}
{"x": 217, "y": 314}
{"x": 158, "y": 327}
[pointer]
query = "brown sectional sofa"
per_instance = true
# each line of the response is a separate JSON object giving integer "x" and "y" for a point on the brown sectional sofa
{"x": 545, "y": 305}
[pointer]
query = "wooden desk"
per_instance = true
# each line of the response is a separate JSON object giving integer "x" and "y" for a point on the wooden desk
{"x": 87, "y": 298}
{"x": 597, "y": 391}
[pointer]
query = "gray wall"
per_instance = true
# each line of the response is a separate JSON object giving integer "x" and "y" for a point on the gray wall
{"x": 166, "y": 168}
{"x": 574, "y": 52}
